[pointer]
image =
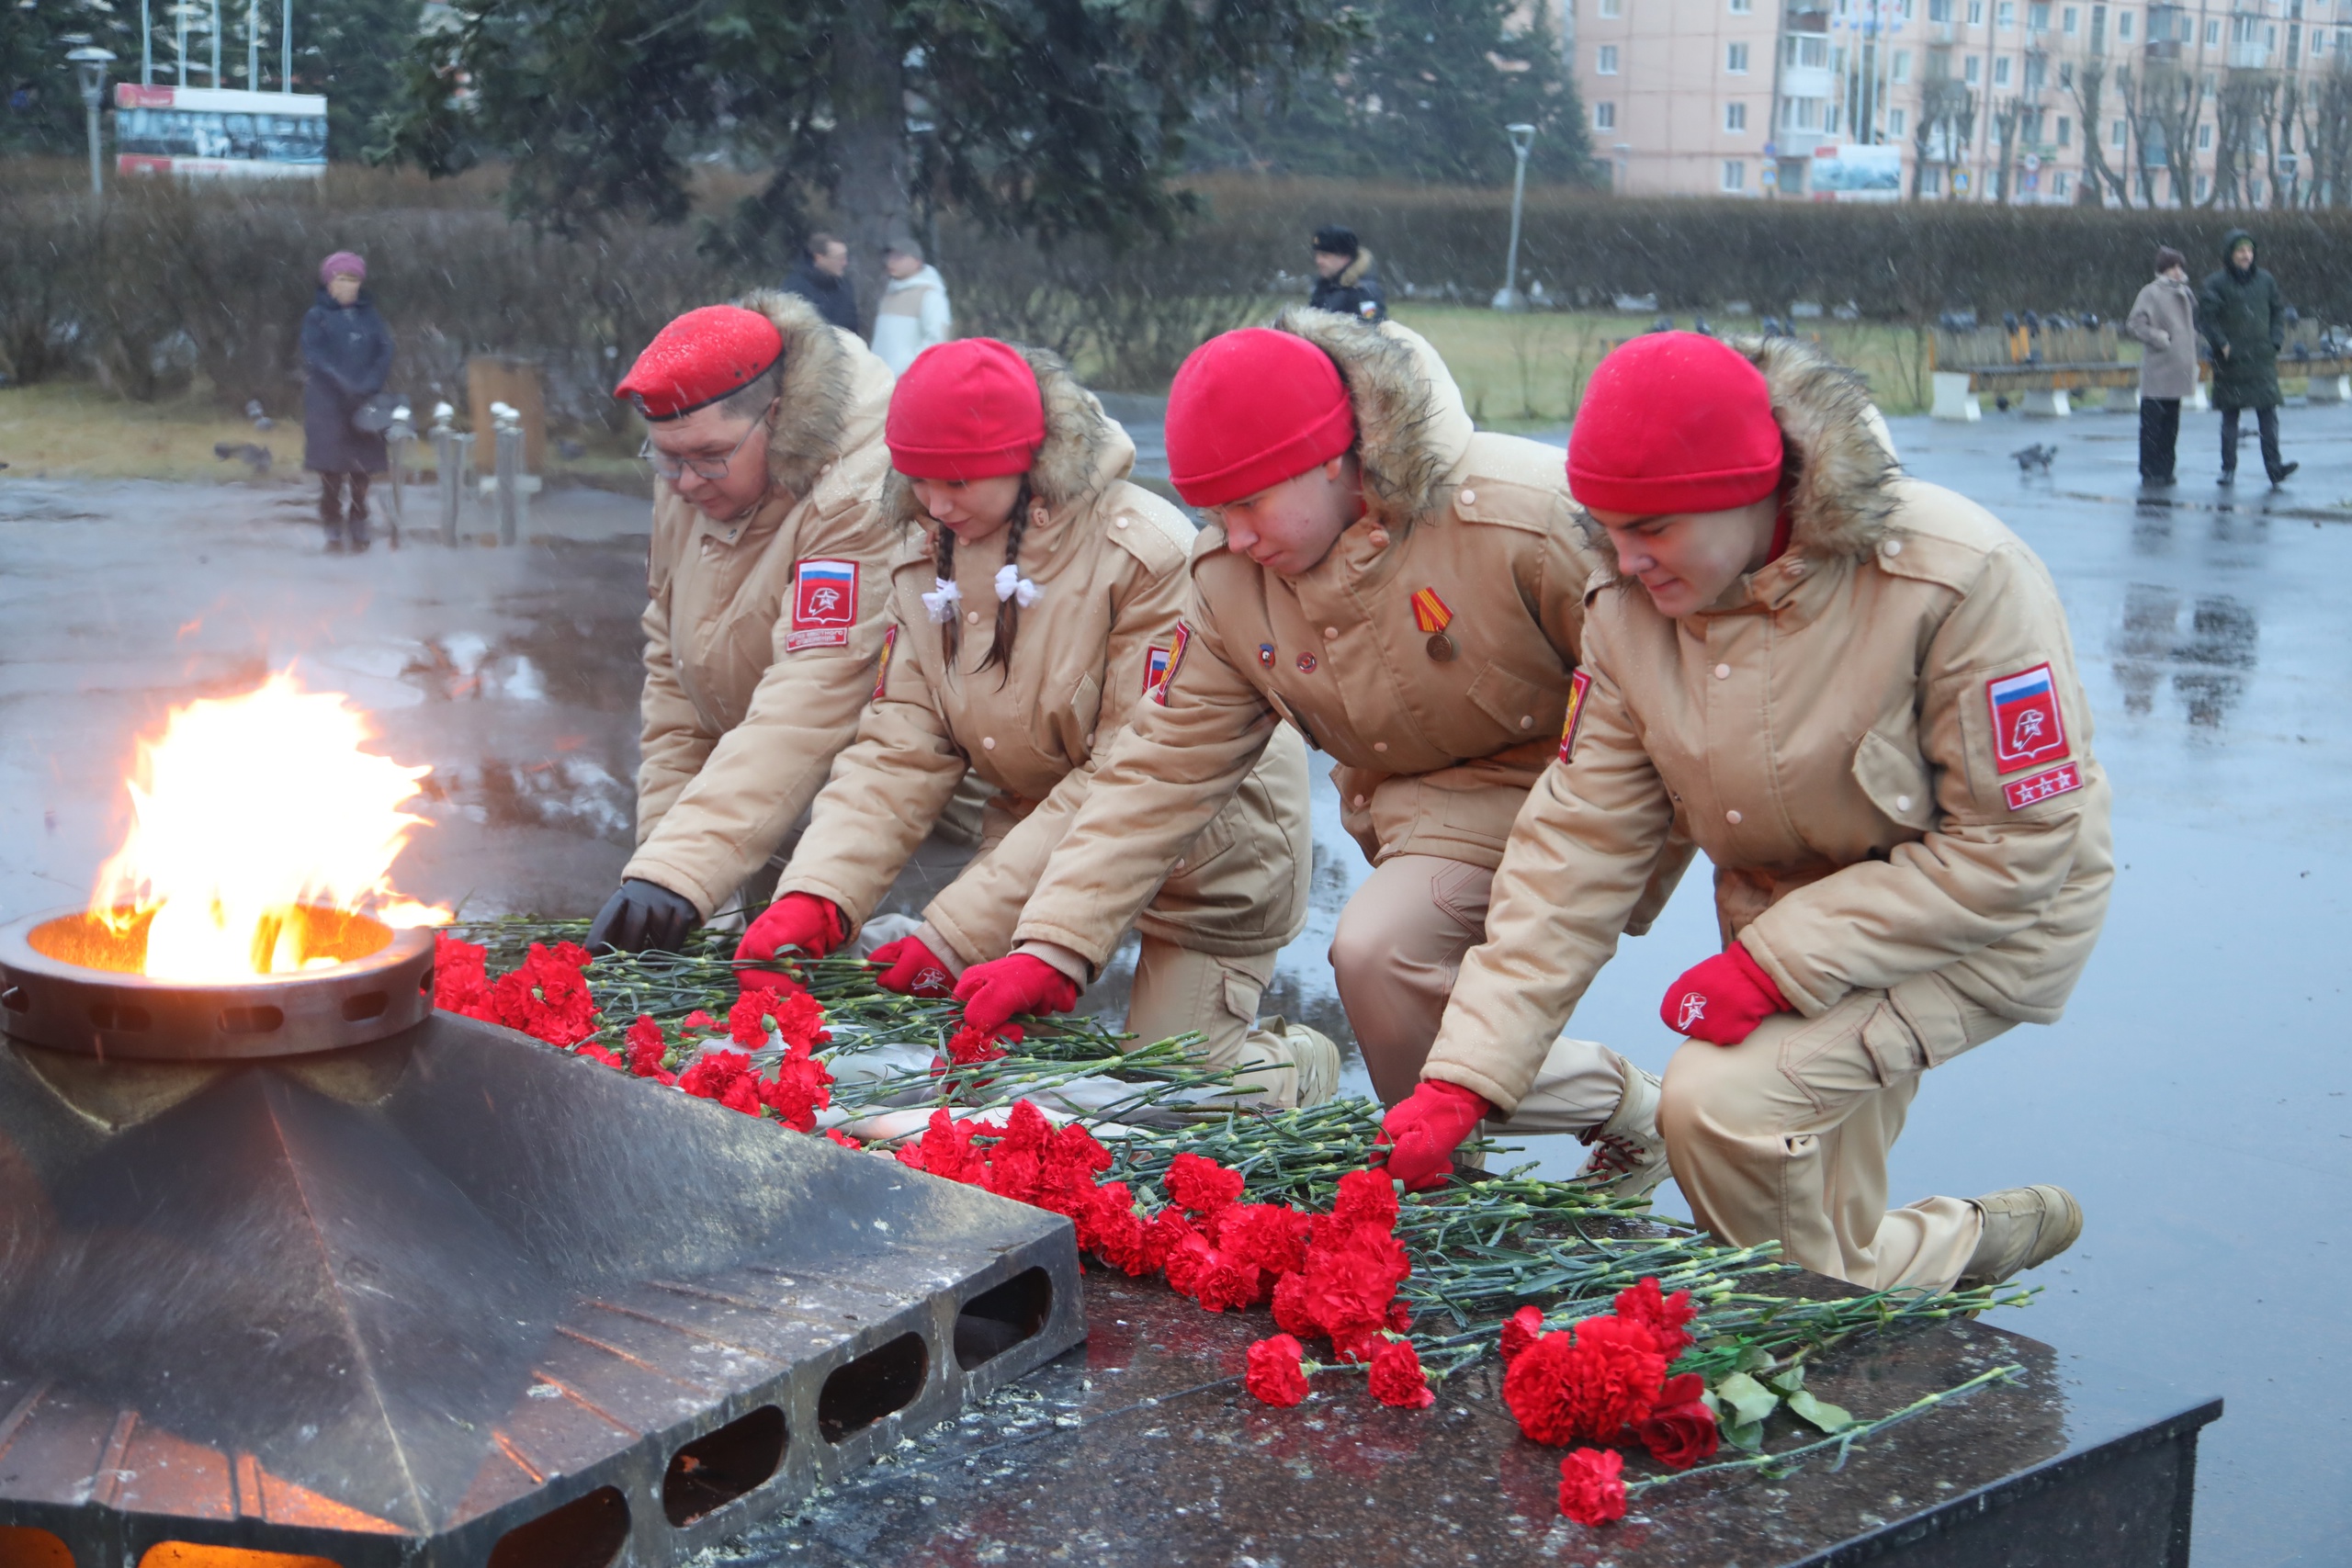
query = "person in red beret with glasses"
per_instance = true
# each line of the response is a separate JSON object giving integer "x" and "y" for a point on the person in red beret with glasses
{"x": 1857, "y": 693}
{"x": 1033, "y": 603}
{"x": 765, "y": 583}
{"x": 1407, "y": 594}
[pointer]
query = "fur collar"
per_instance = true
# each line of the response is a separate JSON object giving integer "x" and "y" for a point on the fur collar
{"x": 1083, "y": 453}
{"x": 818, "y": 392}
{"x": 1843, "y": 498}
{"x": 1352, "y": 274}
{"x": 1411, "y": 429}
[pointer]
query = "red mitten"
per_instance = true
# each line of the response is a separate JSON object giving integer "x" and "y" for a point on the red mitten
{"x": 912, "y": 969}
{"x": 800, "y": 920}
{"x": 1722, "y": 1000}
{"x": 1425, "y": 1128}
{"x": 993, "y": 992}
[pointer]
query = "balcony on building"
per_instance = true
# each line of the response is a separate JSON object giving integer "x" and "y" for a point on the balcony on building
{"x": 1807, "y": 16}
{"x": 2251, "y": 55}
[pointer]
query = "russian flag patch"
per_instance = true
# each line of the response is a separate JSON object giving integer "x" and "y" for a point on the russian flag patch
{"x": 824, "y": 604}
{"x": 2027, "y": 727}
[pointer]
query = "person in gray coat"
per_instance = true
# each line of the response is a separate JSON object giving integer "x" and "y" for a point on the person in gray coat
{"x": 2163, "y": 318}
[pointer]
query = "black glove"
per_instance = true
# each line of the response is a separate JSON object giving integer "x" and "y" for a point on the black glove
{"x": 642, "y": 914}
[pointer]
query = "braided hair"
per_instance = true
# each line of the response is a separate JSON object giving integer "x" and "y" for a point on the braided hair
{"x": 1008, "y": 609}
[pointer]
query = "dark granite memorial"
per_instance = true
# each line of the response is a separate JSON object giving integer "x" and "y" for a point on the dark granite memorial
{"x": 1142, "y": 1448}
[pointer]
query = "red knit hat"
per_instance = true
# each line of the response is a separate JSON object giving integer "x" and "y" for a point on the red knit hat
{"x": 1674, "y": 422}
{"x": 1251, "y": 408}
{"x": 697, "y": 359}
{"x": 966, "y": 410}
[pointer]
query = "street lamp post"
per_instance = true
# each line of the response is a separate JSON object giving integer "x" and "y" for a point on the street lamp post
{"x": 1523, "y": 141}
{"x": 90, "y": 64}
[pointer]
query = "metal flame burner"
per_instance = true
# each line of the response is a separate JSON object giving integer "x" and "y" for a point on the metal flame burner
{"x": 71, "y": 983}
{"x": 389, "y": 1287}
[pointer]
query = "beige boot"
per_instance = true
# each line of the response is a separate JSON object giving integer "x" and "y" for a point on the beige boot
{"x": 1292, "y": 1066}
{"x": 2025, "y": 1227}
{"x": 1628, "y": 1156}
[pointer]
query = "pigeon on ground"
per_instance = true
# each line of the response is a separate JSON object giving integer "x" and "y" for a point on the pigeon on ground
{"x": 2035, "y": 458}
{"x": 257, "y": 458}
{"x": 261, "y": 421}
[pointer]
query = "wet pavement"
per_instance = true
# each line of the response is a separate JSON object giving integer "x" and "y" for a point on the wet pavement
{"x": 2196, "y": 1096}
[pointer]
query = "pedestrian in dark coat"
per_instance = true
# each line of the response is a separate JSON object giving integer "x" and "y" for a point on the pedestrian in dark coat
{"x": 2244, "y": 317}
{"x": 1345, "y": 279}
{"x": 347, "y": 356}
{"x": 821, "y": 277}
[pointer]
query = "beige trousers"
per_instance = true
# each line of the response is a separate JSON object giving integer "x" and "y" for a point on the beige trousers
{"x": 1397, "y": 953}
{"x": 1785, "y": 1136}
{"x": 1177, "y": 990}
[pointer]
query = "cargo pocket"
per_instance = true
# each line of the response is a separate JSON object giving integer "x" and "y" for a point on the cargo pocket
{"x": 1897, "y": 781}
{"x": 1895, "y": 1050}
{"x": 1525, "y": 709}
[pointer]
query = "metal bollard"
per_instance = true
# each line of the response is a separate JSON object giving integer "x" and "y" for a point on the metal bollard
{"x": 508, "y": 425}
{"x": 400, "y": 436}
{"x": 452, "y": 455}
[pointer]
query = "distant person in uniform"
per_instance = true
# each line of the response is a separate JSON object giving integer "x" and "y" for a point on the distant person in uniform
{"x": 1345, "y": 279}
{"x": 821, "y": 277}
{"x": 2242, "y": 316}
{"x": 347, "y": 356}
{"x": 2163, "y": 318}
{"x": 914, "y": 307}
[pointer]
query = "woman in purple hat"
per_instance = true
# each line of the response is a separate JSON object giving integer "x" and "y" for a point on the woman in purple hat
{"x": 347, "y": 355}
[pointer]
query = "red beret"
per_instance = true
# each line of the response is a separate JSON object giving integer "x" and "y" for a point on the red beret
{"x": 966, "y": 410}
{"x": 1674, "y": 422}
{"x": 1251, "y": 408}
{"x": 699, "y": 358}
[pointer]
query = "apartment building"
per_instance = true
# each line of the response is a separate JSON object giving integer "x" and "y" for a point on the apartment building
{"x": 1985, "y": 100}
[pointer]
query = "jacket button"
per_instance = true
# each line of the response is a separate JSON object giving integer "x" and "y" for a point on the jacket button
{"x": 973, "y": 616}
{"x": 1892, "y": 548}
{"x": 1377, "y": 538}
{"x": 1722, "y": 671}
{"x": 1120, "y": 524}
{"x": 1330, "y": 632}
{"x": 1380, "y": 745}
{"x": 1469, "y": 498}
{"x": 1179, "y": 865}
{"x": 1903, "y": 803}
{"x": 1359, "y": 803}
{"x": 1730, "y": 816}
{"x": 1527, "y": 721}
{"x": 987, "y": 743}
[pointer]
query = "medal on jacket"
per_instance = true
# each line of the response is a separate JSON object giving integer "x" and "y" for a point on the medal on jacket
{"x": 1431, "y": 614}
{"x": 1266, "y": 654}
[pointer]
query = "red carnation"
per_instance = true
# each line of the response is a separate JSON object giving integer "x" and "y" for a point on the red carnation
{"x": 797, "y": 1018}
{"x": 843, "y": 1139}
{"x": 1275, "y": 1375}
{"x": 1584, "y": 1386}
{"x": 462, "y": 976}
{"x": 725, "y": 1077}
{"x": 1396, "y": 1376}
{"x": 1520, "y": 1331}
{"x": 968, "y": 1046}
{"x": 1662, "y": 1315}
{"x": 1270, "y": 1235}
{"x": 1681, "y": 1430}
{"x": 547, "y": 996}
{"x": 1113, "y": 1233}
{"x": 698, "y": 1020}
{"x": 598, "y": 1054}
{"x": 1592, "y": 1489}
{"x": 1202, "y": 1185}
{"x": 647, "y": 1051}
{"x": 946, "y": 1150}
{"x": 799, "y": 1088}
{"x": 1365, "y": 1198}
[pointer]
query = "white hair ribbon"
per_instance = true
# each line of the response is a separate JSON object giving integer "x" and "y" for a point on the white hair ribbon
{"x": 940, "y": 603}
{"x": 1010, "y": 584}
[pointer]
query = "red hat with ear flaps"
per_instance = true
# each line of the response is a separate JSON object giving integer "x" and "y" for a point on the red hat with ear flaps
{"x": 704, "y": 355}
{"x": 1674, "y": 422}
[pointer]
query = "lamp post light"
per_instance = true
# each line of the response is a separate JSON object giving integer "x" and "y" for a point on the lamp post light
{"x": 1523, "y": 141}
{"x": 90, "y": 64}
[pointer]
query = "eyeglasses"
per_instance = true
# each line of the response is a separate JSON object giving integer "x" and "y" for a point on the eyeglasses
{"x": 670, "y": 468}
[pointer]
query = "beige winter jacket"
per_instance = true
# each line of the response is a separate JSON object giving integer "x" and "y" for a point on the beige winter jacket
{"x": 1437, "y": 734}
{"x": 1878, "y": 737}
{"x": 1109, "y": 560}
{"x": 760, "y": 634}
{"x": 2163, "y": 318}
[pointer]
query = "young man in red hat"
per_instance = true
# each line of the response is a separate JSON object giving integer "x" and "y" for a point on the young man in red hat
{"x": 1857, "y": 693}
{"x": 1408, "y": 594}
{"x": 767, "y": 588}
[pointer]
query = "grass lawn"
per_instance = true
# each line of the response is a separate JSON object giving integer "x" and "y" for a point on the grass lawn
{"x": 75, "y": 429}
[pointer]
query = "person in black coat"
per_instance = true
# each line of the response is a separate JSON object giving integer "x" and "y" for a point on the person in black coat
{"x": 821, "y": 277}
{"x": 347, "y": 356}
{"x": 1345, "y": 280}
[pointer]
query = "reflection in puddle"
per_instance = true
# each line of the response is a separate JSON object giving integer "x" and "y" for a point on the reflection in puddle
{"x": 2221, "y": 639}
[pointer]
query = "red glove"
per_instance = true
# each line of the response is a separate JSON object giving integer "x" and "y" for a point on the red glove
{"x": 797, "y": 920}
{"x": 1722, "y": 1000}
{"x": 1425, "y": 1128}
{"x": 912, "y": 969}
{"x": 992, "y": 993}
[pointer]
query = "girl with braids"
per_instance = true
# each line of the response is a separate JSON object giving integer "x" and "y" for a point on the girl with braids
{"x": 1035, "y": 605}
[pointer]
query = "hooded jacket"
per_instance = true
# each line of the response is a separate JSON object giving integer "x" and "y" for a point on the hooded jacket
{"x": 1436, "y": 733}
{"x": 1878, "y": 737}
{"x": 760, "y": 634}
{"x": 2248, "y": 317}
{"x": 1354, "y": 292}
{"x": 1109, "y": 560}
{"x": 913, "y": 316}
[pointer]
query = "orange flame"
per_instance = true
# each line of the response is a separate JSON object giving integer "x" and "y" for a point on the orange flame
{"x": 245, "y": 809}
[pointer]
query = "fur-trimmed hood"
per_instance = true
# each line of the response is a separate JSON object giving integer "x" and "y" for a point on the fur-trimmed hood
{"x": 1352, "y": 274}
{"x": 1412, "y": 430}
{"x": 1845, "y": 463}
{"x": 835, "y": 397}
{"x": 1084, "y": 453}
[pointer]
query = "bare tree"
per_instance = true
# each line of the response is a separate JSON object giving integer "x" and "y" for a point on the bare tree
{"x": 2090, "y": 81}
{"x": 2168, "y": 110}
{"x": 2005, "y": 130}
{"x": 1946, "y": 121}
{"x": 2328, "y": 136}
{"x": 2242, "y": 115}
{"x": 2286, "y": 190}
